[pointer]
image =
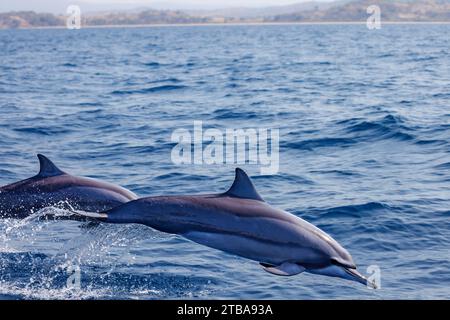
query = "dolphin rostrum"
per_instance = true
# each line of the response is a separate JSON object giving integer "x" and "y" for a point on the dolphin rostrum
{"x": 240, "y": 222}
{"x": 52, "y": 187}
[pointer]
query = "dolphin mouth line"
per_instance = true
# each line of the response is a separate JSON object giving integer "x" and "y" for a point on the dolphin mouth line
{"x": 360, "y": 278}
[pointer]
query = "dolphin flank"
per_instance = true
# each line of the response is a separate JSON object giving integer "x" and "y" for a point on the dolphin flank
{"x": 52, "y": 187}
{"x": 240, "y": 222}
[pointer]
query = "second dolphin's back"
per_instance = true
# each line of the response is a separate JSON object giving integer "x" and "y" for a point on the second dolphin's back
{"x": 54, "y": 188}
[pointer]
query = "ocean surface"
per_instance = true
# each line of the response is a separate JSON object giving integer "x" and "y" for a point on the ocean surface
{"x": 364, "y": 120}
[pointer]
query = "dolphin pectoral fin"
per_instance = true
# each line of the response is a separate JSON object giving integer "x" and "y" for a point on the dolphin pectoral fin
{"x": 284, "y": 269}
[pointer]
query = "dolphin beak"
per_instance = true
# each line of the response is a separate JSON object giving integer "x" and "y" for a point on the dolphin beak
{"x": 358, "y": 277}
{"x": 99, "y": 216}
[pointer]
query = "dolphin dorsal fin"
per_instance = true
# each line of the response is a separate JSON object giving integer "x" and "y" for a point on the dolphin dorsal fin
{"x": 47, "y": 168}
{"x": 243, "y": 187}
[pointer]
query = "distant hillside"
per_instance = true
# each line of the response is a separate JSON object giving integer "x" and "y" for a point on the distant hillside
{"x": 417, "y": 10}
{"x": 29, "y": 19}
{"x": 243, "y": 12}
{"x": 141, "y": 18}
{"x": 343, "y": 10}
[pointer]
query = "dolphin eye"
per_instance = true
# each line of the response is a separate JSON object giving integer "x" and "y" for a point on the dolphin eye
{"x": 337, "y": 263}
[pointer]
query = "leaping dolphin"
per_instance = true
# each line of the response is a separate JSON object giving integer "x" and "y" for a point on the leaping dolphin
{"x": 240, "y": 222}
{"x": 53, "y": 187}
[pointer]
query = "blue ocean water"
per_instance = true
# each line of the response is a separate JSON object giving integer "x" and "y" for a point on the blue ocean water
{"x": 364, "y": 120}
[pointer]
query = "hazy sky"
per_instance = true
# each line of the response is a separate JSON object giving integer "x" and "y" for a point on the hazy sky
{"x": 59, "y": 6}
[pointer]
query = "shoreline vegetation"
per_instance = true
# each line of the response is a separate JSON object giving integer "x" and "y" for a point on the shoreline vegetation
{"x": 155, "y": 25}
{"x": 339, "y": 12}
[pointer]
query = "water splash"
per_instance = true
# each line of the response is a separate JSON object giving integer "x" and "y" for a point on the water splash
{"x": 89, "y": 247}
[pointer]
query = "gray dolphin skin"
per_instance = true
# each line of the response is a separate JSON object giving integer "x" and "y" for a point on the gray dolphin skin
{"x": 240, "y": 222}
{"x": 52, "y": 187}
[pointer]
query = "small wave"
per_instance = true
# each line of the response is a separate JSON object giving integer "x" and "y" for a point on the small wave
{"x": 320, "y": 143}
{"x": 7, "y": 68}
{"x": 386, "y": 55}
{"x": 355, "y": 211}
{"x": 91, "y": 111}
{"x": 70, "y": 65}
{"x": 444, "y": 166}
{"x": 4, "y": 172}
{"x": 178, "y": 175}
{"x": 232, "y": 85}
{"x": 152, "y": 64}
{"x": 171, "y": 80}
{"x": 9, "y": 107}
{"x": 312, "y": 63}
{"x": 431, "y": 142}
{"x": 283, "y": 177}
{"x": 139, "y": 149}
{"x": 90, "y": 104}
{"x": 157, "y": 89}
{"x": 389, "y": 127}
{"x": 345, "y": 173}
{"x": 423, "y": 58}
{"x": 46, "y": 131}
{"x": 387, "y": 121}
{"x": 441, "y": 95}
{"x": 228, "y": 114}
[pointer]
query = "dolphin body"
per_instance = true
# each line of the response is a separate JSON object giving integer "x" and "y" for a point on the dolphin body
{"x": 240, "y": 222}
{"x": 52, "y": 187}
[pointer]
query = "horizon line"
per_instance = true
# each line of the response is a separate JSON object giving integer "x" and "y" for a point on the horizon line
{"x": 153, "y": 25}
